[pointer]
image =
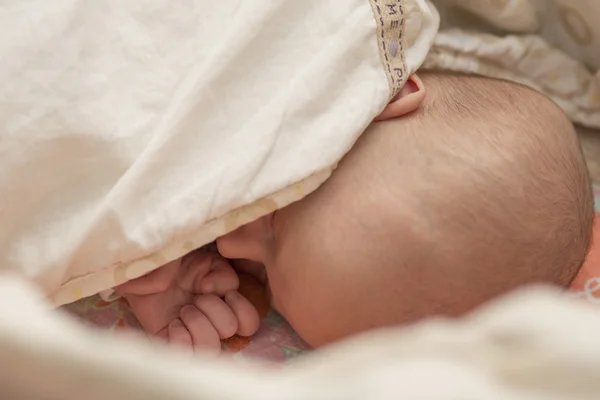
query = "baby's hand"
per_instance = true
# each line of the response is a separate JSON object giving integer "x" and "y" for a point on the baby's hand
{"x": 192, "y": 302}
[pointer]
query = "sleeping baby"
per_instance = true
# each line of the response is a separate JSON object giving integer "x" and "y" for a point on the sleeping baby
{"x": 479, "y": 188}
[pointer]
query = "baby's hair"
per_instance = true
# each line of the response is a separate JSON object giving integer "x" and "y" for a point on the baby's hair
{"x": 545, "y": 163}
{"x": 494, "y": 191}
{"x": 481, "y": 191}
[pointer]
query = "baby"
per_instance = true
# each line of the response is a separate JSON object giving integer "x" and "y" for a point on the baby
{"x": 478, "y": 189}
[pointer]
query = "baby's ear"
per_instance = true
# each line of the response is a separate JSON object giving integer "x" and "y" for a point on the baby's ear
{"x": 406, "y": 101}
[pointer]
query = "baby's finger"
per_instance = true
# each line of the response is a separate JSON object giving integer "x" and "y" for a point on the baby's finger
{"x": 154, "y": 282}
{"x": 179, "y": 335}
{"x": 246, "y": 314}
{"x": 163, "y": 334}
{"x": 201, "y": 330}
{"x": 194, "y": 268}
{"x": 219, "y": 314}
{"x": 220, "y": 280}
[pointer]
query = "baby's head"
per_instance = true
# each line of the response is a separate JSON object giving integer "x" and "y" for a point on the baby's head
{"x": 480, "y": 191}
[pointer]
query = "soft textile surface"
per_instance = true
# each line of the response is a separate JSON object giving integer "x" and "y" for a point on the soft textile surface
{"x": 535, "y": 345}
{"x": 117, "y": 119}
{"x": 587, "y": 283}
{"x": 276, "y": 341}
{"x": 133, "y": 132}
{"x": 550, "y": 45}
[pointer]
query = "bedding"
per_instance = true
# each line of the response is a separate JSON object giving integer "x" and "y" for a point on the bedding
{"x": 552, "y": 46}
{"x": 132, "y": 134}
{"x": 123, "y": 149}
{"x": 535, "y": 344}
{"x": 587, "y": 284}
{"x": 135, "y": 132}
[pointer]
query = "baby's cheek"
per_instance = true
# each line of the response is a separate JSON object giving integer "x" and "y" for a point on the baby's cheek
{"x": 288, "y": 285}
{"x": 298, "y": 316}
{"x": 274, "y": 300}
{"x": 275, "y": 295}
{"x": 281, "y": 294}
{"x": 302, "y": 299}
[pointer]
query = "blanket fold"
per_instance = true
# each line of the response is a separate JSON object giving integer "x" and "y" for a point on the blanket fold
{"x": 552, "y": 46}
{"x": 135, "y": 132}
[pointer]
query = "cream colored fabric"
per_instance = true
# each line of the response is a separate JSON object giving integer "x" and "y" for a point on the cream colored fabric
{"x": 534, "y": 346}
{"x": 550, "y": 45}
{"x": 134, "y": 131}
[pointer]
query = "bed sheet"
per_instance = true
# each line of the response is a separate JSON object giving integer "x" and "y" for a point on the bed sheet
{"x": 276, "y": 341}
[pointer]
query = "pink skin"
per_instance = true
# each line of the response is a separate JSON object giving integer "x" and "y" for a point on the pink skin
{"x": 192, "y": 302}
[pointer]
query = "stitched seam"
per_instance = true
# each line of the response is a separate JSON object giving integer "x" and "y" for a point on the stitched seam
{"x": 389, "y": 15}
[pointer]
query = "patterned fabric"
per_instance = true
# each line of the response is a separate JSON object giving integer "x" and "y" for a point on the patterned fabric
{"x": 552, "y": 46}
{"x": 587, "y": 283}
{"x": 389, "y": 15}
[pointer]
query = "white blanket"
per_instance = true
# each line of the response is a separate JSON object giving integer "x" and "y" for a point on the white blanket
{"x": 135, "y": 131}
{"x": 534, "y": 346}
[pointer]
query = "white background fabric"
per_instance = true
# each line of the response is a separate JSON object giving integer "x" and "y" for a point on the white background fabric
{"x": 552, "y": 46}
{"x": 536, "y": 345}
{"x": 128, "y": 124}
